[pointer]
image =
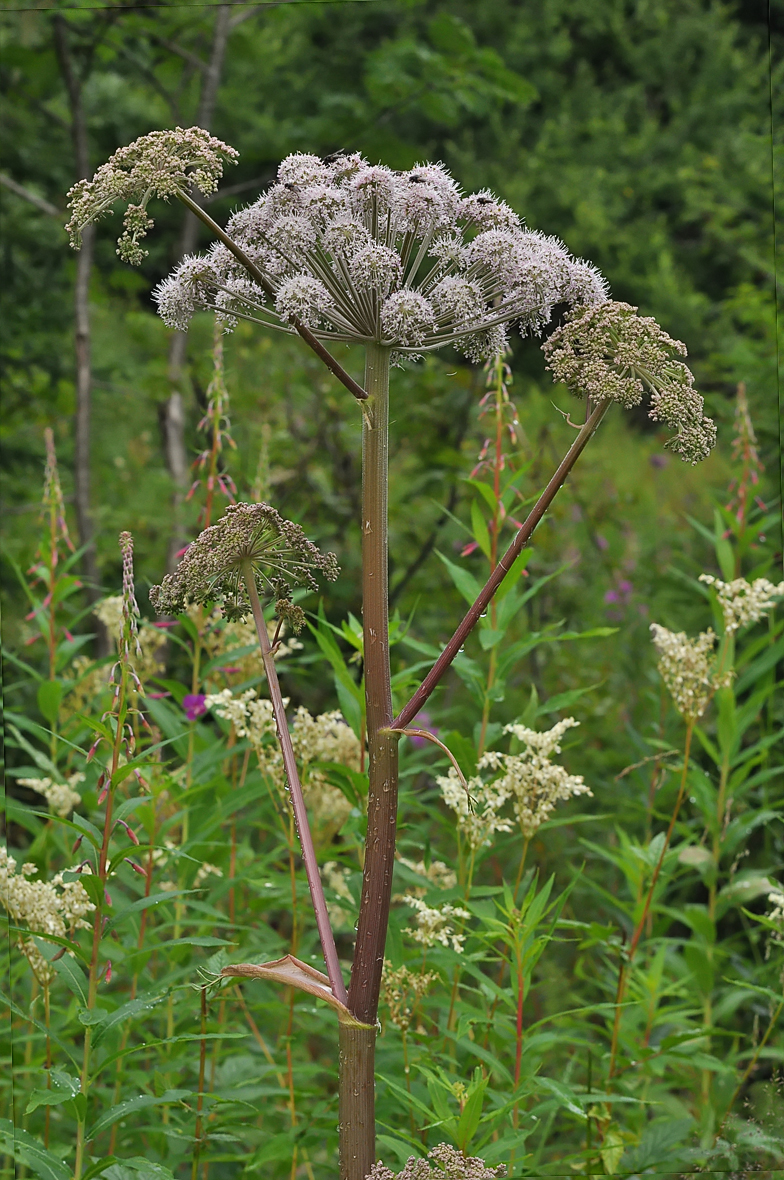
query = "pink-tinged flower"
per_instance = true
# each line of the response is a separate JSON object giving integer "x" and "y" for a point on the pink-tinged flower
{"x": 194, "y": 705}
{"x": 602, "y": 542}
{"x": 658, "y": 460}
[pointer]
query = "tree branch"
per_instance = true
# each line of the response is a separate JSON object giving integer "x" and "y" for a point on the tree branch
{"x": 40, "y": 203}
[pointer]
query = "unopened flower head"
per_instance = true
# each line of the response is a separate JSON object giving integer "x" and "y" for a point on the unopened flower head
{"x": 358, "y": 252}
{"x": 150, "y": 639}
{"x": 61, "y": 797}
{"x": 444, "y": 1162}
{"x": 744, "y": 603}
{"x": 688, "y": 668}
{"x": 607, "y": 352}
{"x": 159, "y": 164}
{"x": 436, "y": 924}
{"x": 248, "y": 537}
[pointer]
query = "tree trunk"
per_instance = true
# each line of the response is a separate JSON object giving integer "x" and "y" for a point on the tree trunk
{"x": 84, "y": 266}
{"x": 173, "y": 417}
{"x": 357, "y": 1119}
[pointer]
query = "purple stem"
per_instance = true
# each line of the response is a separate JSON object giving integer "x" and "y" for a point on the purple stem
{"x": 297, "y": 798}
{"x": 474, "y": 613}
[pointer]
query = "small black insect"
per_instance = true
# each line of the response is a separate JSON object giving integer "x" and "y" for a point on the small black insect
{"x": 333, "y": 157}
{"x": 484, "y": 201}
{"x": 417, "y": 179}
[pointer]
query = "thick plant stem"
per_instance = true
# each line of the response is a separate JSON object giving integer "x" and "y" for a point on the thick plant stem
{"x": 297, "y": 798}
{"x": 356, "y": 1101}
{"x": 475, "y": 612}
{"x": 357, "y": 1138}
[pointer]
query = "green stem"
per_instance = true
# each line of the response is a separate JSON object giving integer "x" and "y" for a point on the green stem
{"x": 357, "y": 1130}
{"x": 626, "y": 965}
{"x": 103, "y": 856}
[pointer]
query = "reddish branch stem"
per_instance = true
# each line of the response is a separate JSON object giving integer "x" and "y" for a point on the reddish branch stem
{"x": 475, "y": 612}
{"x": 297, "y": 798}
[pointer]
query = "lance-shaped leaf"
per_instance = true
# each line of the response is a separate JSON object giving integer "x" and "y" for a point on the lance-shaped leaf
{"x": 294, "y": 973}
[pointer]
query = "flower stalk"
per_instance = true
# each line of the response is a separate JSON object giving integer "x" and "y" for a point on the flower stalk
{"x": 295, "y": 788}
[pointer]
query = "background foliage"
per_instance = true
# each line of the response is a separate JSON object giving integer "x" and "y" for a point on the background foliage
{"x": 646, "y": 135}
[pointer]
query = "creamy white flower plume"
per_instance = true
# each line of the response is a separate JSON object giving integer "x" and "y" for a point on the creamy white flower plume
{"x": 688, "y": 668}
{"x": 743, "y": 603}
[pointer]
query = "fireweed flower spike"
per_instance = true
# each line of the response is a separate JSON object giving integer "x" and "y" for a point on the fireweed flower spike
{"x": 609, "y": 353}
{"x": 161, "y": 164}
{"x": 358, "y": 252}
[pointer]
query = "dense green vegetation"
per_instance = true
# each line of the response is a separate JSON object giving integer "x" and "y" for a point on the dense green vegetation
{"x": 641, "y": 133}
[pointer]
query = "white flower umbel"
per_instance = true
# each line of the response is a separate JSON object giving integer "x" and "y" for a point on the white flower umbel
{"x": 437, "y": 924}
{"x": 358, "y": 252}
{"x": 688, "y": 668}
{"x": 743, "y": 603}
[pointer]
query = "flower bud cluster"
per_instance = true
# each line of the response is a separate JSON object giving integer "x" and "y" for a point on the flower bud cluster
{"x": 444, "y": 1162}
{"x": 359, "y": 252}
{"x": 688, "y": 668}
{"x": 608, "y": 352}
{"x": 160, "y": 164}
{"x": 250, "y": 537}
{"x": 744, "y": 603}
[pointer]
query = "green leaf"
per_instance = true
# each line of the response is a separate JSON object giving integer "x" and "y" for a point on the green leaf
{"x": 46, "y": 1098}
{"x": 479, "y": 529}
{"x": 465, "y": 582}
{"x": 144, "y": 903}
{"x": 49, "y": 696}
{"x": 135, "y": 1168}
{"x": 27, "y": 1150}
{"x": 73, "y": 977}
{"x": 142, "y": 1102}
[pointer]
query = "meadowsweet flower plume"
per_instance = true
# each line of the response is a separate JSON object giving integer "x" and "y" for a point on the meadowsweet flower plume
{"x": 358, "y": 252}
{"x": 744, "y": 603}
{"x": 688, "y": 669}
{"x": 160, "y": 164}
{"x": 444, "y": 1162}
{"x": 530, "y": 778}
{"x": 605, "y": 351}
{"x": 211, "y": 570}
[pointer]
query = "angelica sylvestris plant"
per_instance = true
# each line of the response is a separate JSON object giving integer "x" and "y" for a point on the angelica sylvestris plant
{"x": 404, "y": 263}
